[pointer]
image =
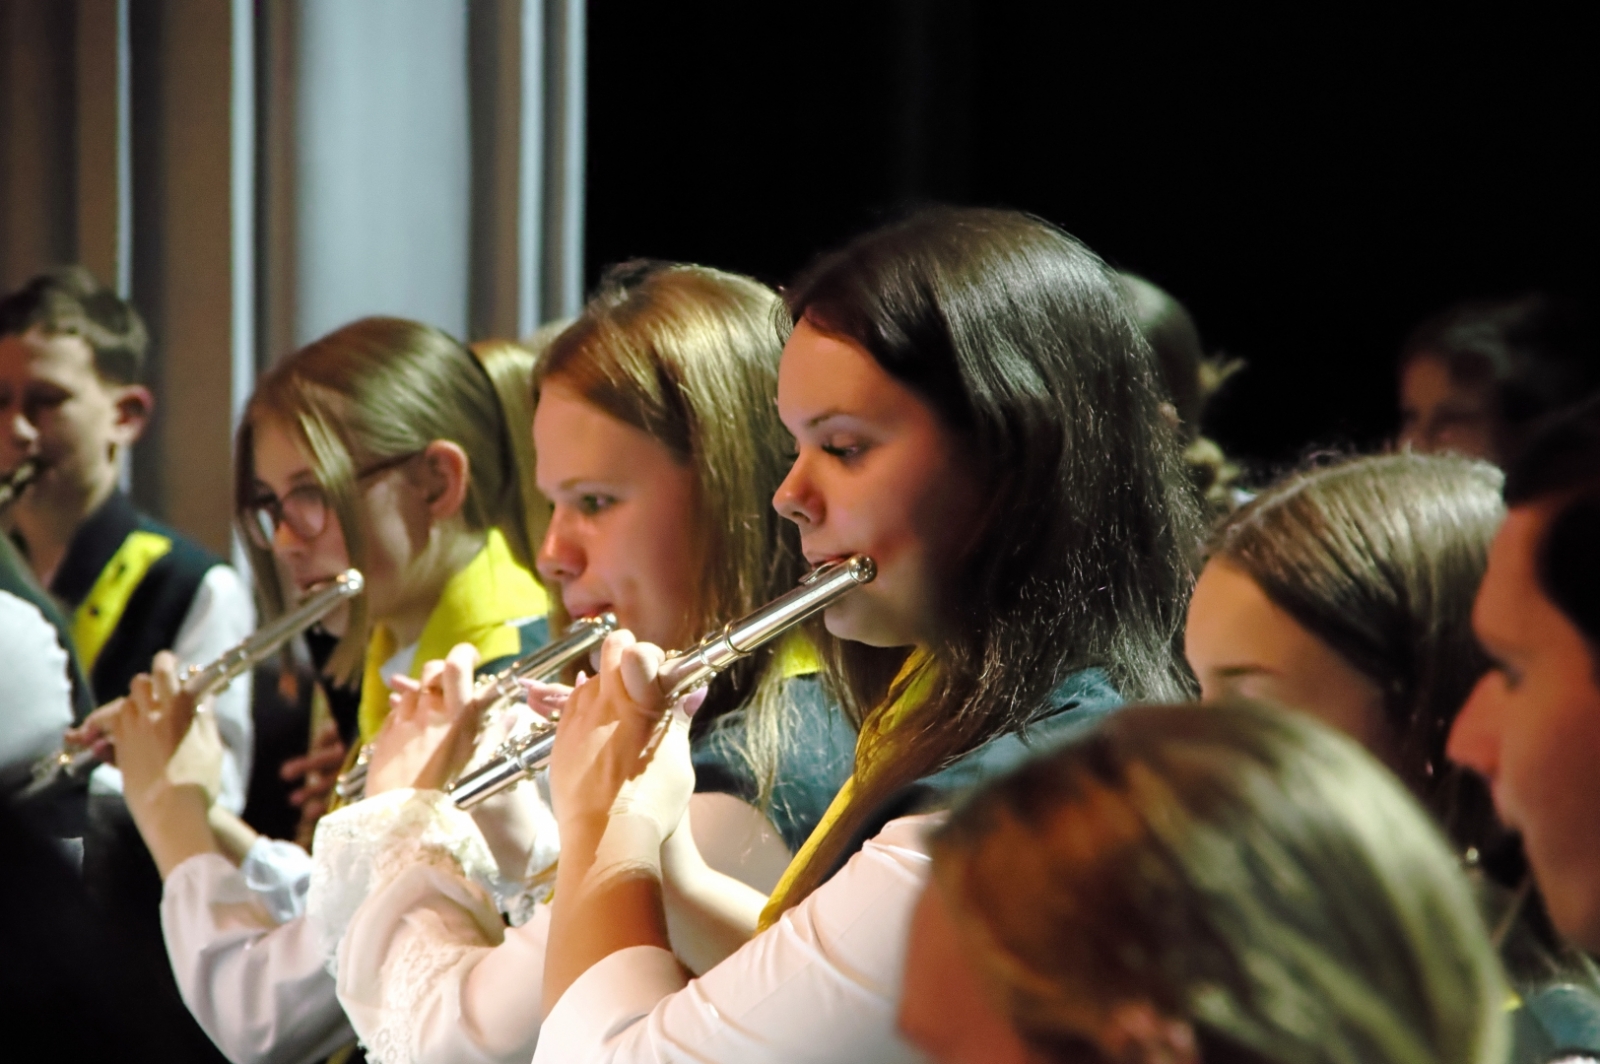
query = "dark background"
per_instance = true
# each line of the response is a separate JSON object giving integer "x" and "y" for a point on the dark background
{"x": 1309, "y": 184}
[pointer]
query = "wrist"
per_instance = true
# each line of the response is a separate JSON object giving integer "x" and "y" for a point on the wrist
{"x": 630, "y": 844}
{"x": 173, "y": 819}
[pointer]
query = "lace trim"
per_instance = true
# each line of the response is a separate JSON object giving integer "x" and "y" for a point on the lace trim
{"x": 412, "y": 972}
{"x": 363, "y": 847}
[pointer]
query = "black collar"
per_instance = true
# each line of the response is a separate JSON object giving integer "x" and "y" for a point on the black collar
{"x": 92, "y": 548}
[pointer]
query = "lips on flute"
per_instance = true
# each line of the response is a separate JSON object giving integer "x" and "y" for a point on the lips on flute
{"x": 683, "y": 671}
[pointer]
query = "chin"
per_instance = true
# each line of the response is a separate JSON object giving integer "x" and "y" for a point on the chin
{"x": 1574, "y": 905}
{"x": 855, "y": 621}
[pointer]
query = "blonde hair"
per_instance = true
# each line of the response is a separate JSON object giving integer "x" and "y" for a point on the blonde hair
{"x": 689, "y": 355}
{"x": 1244, "y": 869}
{"x": 382, "y": 388}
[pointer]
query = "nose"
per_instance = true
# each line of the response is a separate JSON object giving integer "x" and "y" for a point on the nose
{"x": 797, "y": 498}
{"x": 1475, "y": 736}
{"x": 23, "y": 431}
{"x": 286, "y": 542}
{"x": 561, "y": 557}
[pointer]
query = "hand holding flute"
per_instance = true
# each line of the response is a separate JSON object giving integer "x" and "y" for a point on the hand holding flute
{"x": 197, "y": 682}
{"x": 620, "y": 774}
{"x": 684, "y": 671}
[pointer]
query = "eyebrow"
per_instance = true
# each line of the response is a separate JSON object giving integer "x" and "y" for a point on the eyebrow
{"x": 831, "y": 412}
{"x": 1231, "y": 671}
{"x": 591, "y": 483}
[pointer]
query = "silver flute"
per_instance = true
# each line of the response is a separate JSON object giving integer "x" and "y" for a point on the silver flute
{"x": 684, "y": 671}
{"x": 582, "y": 636}
{"x": 202, "y": 680}
{"x": 17, "y": 482}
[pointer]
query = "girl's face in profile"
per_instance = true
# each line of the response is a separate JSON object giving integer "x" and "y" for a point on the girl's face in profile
{"x": 309, "y": 543}
{"x": 1242, "y": 644}
{"x": 875, "y": 473}
{"x": 621, "y": 536}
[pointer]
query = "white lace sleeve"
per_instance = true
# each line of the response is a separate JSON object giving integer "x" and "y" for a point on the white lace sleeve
{"x": 427, "y": 974}
{"x": 363, "y": 847}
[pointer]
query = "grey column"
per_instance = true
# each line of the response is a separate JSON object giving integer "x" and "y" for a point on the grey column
{"x": 382, "y": 171}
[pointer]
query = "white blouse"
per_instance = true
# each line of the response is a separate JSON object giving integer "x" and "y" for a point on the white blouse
{"x": 429, "y": 974}
{"x": 254, "y": 980}
{"x": 254, "y": 948}
{"x": 38, "y": 699}
{"x": 822, "y": 984}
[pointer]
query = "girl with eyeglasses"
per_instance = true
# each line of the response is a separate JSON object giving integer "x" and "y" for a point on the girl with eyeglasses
{"x": 389, "y": 447}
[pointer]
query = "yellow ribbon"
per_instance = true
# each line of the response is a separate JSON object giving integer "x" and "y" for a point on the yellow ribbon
{"x": 479, "y": 605}
{"x": 918, "y": 681}
{"x": 97, "y": 615}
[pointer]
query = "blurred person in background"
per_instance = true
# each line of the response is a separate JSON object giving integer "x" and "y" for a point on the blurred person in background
{"x": 1475, "y": 377}
{"x": 72, "y": 362}
{"x": 1191, "y": 378}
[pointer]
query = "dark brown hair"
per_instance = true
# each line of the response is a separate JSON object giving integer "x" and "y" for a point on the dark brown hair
{"x": 1380, "y": 558}
{"x": 1537, "y": 352}
{"x": 70, "y": 301}
{"x": 1018, "y": 338}
{"x": 1247, "y": 871}
{"x": 1561, "y": 464}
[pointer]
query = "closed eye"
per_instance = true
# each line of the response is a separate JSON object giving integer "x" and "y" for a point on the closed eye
{"x": 589, "y": 505}
{"x": 844, "y": 448}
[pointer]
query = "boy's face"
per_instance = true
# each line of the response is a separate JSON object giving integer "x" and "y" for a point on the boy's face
{"x": 1532, "y": 726}
{"x": 55, "y": 409}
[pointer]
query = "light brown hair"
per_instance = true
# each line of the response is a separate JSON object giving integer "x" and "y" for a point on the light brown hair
{"x": 381, "y": 388}
{"x": 1246, "y": 870}
{"x": 689, "y": 356}
{"x": 70, "y": 301}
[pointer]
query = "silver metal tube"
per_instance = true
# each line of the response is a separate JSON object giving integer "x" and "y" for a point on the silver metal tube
{"x": 683, "y": 671}
{"x": 201, "y": 681}
{"x": 582, "y": 636}
{"x": 12, "y": 486}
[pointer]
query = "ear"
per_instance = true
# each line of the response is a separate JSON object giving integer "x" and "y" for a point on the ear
{"x": 133, "y": 404}
{"x": 447, "y": 472}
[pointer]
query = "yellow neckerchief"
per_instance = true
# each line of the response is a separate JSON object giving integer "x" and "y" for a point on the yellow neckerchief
{"x": 883, "y": 724}
{"x": 476, "y": 606}
{"x": 97, "y": 615}
{"x": 797, "y": 657}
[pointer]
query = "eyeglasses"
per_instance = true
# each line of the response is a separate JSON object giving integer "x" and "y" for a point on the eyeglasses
{"x": 304, "y": 509}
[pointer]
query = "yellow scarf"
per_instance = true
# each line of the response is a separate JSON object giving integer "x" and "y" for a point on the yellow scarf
{"x": 882, "y": 725}
{"x": 477, "y": 606}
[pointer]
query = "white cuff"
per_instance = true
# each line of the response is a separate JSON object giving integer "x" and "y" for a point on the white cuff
{"x": 280, "y": 872}
{"x": 362, "y": 847}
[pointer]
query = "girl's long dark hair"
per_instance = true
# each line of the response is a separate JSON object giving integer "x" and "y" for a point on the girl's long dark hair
{"x": 1018, "y": 337}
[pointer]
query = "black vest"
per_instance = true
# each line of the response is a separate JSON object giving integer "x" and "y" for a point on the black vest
{"x": 154, "y": 611}
{"x": 118, "y": 873}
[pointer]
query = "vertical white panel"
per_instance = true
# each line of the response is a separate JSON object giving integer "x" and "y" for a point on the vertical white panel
{"x": 124, "y": 278}
{"x": 530, "y": 174}
{"x": 572, "y": 67}
{"x": 382, "y": 169}
{"x": 243, "y": 226}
